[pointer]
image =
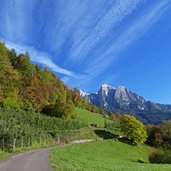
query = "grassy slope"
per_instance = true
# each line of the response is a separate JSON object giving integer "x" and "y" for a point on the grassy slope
{"x": 106, "y": 155}
{"x": 4, "y": 155}
{"x": 90, "y": 118}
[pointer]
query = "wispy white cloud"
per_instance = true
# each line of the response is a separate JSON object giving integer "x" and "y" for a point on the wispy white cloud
{"x": 87, "y": 25}
{"x": 64, "y": 21}
{"x": 111, "y": 19}
{"x": 17, "y": 19}
{"x": 39, "y": 57}
{"x": 128, "y": 37}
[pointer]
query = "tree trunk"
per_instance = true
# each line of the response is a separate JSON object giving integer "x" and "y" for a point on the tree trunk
{"x": 14, "y": 144}
{"x": 3, "y": 143}
{"x": 22, "y": 142}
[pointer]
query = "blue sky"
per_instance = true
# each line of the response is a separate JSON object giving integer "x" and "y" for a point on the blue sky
{"x": 88, "y": 43}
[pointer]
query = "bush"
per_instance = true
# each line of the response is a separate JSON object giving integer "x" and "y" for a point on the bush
{"x": 133, "y": 129}
{"x": 159, "y": 135}
{"x": 160, "y": 157}
{"x": 156, "y": 156}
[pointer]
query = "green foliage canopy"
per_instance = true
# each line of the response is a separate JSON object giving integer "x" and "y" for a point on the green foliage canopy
{"x": 24, "y": 86}
{"x": 133, "y": 129}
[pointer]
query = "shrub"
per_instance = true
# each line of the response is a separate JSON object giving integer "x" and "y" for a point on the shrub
{"x": 159, "y": 136}
{"x": 160, "y": 157}
{"x": 156, "y": 156}
{"x": 133, "y": 129}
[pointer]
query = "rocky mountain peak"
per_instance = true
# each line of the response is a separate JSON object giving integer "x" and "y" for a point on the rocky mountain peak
{"x": 104, "y": 89}
{"x": 83, "y": 94}
{"x": 109, "y": 97}
{"x": 107, "y": 86}
{"x": 123, "y": 100}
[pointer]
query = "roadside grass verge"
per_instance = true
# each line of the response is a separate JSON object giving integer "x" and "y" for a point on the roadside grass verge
{"x": 4, "y": 155}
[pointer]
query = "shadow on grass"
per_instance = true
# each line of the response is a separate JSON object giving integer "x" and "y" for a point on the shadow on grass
{"x": 126, "y": 140}
{"x": 109, "y": 135}
{"x": 140, "y": 161}
{"x": 105, "y": 134}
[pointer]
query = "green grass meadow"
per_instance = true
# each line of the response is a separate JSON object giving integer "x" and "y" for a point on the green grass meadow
{"x": 90, "y": 118}
{"x": 108, "y": 155}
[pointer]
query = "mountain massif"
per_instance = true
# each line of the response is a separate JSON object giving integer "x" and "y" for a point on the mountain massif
{"x": 121, "y": 99}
